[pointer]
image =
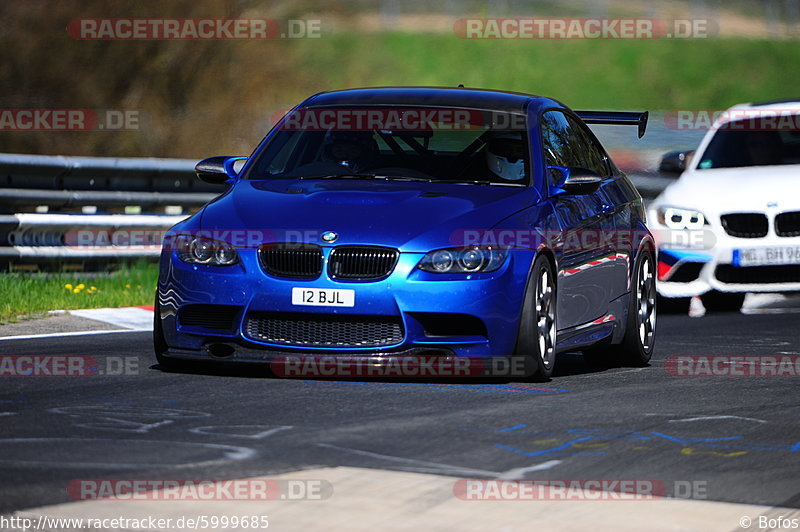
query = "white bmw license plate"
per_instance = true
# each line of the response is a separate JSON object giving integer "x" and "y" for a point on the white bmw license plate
{"x": 323, "y": 297}
{"x": 766, "y": 256}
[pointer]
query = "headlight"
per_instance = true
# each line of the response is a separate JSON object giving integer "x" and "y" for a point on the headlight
{"x": 463, "y": 260}
{"x": 201, "y": 250}
{"x": 675, "y": 218}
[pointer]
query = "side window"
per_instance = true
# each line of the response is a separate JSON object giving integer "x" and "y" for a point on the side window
{"x": 594, "y": 155}
{"x": 556, "y": 139}
{"x": 560, "y": 143}
{"x": 566, "y": 143}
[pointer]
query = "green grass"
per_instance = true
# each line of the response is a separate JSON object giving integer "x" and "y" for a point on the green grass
{"x": 25, "y": 295}
{"x": 657, "y": 74}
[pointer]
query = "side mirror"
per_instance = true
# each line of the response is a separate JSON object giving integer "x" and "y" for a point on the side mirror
{"x": 219, "y": 170}
{"x": 675, "y": 162}
{"x": 575, "y": 181}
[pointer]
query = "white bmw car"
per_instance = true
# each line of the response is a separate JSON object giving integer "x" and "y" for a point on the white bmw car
{"x": 731, "y": 223}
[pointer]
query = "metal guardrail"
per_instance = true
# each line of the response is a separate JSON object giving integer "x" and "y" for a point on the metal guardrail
{"x": 70, "y": 199}
{"x": 55, "y": 172}
{"x": 43, "y": 198}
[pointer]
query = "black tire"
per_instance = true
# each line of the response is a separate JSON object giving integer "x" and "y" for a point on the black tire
{"x": 722, "y": 302}
{"x": 674, "y": 305}
{"x": 637, "y": 344}
{"x": 536, "y": 338}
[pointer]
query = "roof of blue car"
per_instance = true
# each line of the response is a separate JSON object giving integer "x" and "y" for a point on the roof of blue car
{"x": 512, "y": 102}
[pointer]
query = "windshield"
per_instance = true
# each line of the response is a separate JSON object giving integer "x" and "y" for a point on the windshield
{"x": 752, "y": 142}
{"x": 398, "y": 143}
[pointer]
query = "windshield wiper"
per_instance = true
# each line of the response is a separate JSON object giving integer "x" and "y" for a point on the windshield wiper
{"x": 356, "y": 175}
{"x": 471, "y": 181}
{"x": 405, "y": 178}
{"x": 368, "y": 176}
{"x": 484, "y": 183}
{"x": 341, "y": 176}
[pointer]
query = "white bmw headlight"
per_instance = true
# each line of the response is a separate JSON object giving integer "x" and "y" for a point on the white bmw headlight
{"x": 677, "y": 218}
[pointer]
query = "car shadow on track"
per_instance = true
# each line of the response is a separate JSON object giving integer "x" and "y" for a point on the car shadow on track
{"x": 574, "y": 363}
{"x": 568, "y": 364}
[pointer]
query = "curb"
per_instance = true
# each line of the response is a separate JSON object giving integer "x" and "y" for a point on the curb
{"x": 138, "y": 318}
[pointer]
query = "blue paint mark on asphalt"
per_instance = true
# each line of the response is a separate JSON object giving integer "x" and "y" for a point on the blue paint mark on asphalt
{"x": 608, "y": 435}
{"x": 515, "y": 427}
{"x": 548, "y": 451}
{"x": 744, "y": 446}
{"x": 694, "y": 440}
{"x": 728, "y": 442}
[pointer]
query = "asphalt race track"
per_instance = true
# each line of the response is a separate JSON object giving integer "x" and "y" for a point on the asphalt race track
{"x": 733, "y": 439}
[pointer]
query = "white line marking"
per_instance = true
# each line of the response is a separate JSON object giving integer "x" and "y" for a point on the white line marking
{"x": 76, "y": 333}
{"x": 254, "y": 434}
{"x": 122, "y": 425}
{"x": 445, "y": 468}
{"x": 229, "y": 453}
{"x": 440, "y": 467}
{"x": 518, "y": 473}
{"x": 4, "y": 414}
{"x": 707, "y": 418}
{"x": 124, "y": 410}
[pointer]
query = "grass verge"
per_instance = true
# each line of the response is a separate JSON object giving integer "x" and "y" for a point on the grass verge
{"x": 24, "y": 295}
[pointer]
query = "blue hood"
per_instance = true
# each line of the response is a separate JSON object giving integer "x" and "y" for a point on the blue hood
{"x": 409, "y": 216}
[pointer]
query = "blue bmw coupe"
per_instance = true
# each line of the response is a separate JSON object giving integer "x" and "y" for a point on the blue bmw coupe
{"x": 446, "y": 224}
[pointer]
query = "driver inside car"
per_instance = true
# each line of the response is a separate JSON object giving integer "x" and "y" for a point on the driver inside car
{"x": 763, "y": 148}
{"x": 505, "y": 156}
{"x": 355, "y": 151}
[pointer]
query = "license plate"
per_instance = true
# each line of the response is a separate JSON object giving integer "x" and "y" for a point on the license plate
{"x": 323, "y": 297}
{"x": 766, "y": 256}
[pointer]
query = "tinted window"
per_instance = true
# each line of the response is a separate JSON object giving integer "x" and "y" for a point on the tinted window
{"x": 568, "y": 143}
{"x": 752, "y": 142}
{"x": 385, "y": 143}
{"x": 556, "y": 139}
{"x": 594, "y": 155}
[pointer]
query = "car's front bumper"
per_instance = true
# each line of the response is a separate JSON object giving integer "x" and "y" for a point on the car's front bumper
{"x": 473, "y": 316}
{"x": 693, "y": 270}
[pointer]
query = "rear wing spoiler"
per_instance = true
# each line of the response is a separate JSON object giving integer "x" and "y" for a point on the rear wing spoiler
{"x": 626, "y": 118}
